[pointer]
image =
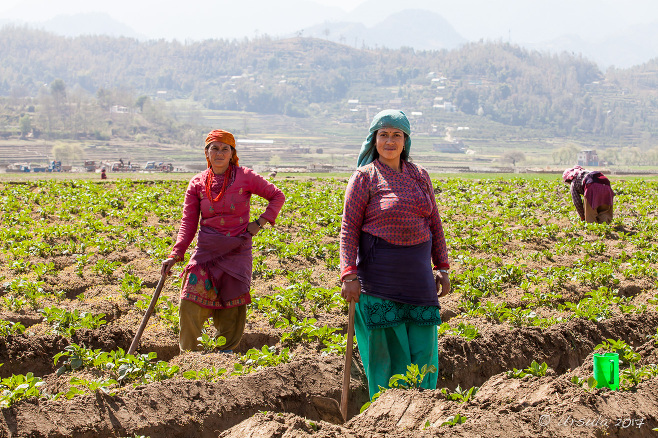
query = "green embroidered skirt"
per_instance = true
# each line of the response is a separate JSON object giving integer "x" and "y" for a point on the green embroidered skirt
{"x": 391, "y": 335}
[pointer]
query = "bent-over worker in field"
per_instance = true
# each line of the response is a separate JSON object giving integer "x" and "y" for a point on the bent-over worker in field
{"x": 391, "y": 233}
{"x": 218, "y": 276}
{"x": 595, "y": 189}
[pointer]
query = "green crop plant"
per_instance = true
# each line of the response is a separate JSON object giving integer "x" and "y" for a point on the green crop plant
{"x": 11, "y": 328}
{"x": 66, "y": 322}
{"x": 130, "y": 284}
{"x": 590, "y": 382}
{"x": 83, "y": 386}
{"x": 467, "y": 331}
{"x": 19, "y": 387}
{"x": 104, "y": 268}
{"x": 336, "y": 344}
{"x": 460, "y": 395}
{"x": 30, "y": 290}
{"x": 141, "y": 368}
{"x": 322, "y": 299}
{"x": 255, "y": 359}
{"x": 168, "y": 312}
{"x": 631, "y": 308}
{"x": 160, "y": 371}
{"x": 20, "y": 266}
{"x": 464, "y": 330}
{"x": 76, "y": 357}
{"x": 206, "y": 374}
{"x": 625, "y": 352}
{"x": 453, "y": 420}
{"x": 413, "y": 378}
{"x": 211, "y": 343}
{"x": 81, "y": 262}
{"x": 535, "y": 369}
{"x": 633, "y": 376}
{"x": 518, "y": 316}
{"x": 143, "y": 303}
{"x": 538, "y": 298}
{"x": 14, "y": 304}
{"x": 596, "y": 306}
{"x": 494, "y": 312}
{"x": 42, "y": 269}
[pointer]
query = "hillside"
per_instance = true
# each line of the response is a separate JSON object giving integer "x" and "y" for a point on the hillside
{"x": 66, "y": 87}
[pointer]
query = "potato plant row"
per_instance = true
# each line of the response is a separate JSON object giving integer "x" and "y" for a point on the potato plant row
{"x": 519, "y": 256}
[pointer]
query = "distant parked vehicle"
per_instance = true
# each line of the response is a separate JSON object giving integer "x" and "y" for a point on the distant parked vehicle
{"x": 168, "y": 167}
{"x": 150, "y": 165}
{"x": 119, "y": 166}
{"x": 18, "y": 167}
{"x": 90, "y": 166}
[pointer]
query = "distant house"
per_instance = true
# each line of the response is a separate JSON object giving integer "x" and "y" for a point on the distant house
{"x": 117, "y": 109}
{"x": 320, "y": 167}
{"x": 588, "y": 158}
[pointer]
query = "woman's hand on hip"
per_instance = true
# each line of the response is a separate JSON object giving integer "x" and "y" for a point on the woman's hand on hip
{"x": 166, "y": 266}
{"x": 253, "y": 228}
{"x": 351, "y": 290}
{"x": 442, "y": 283}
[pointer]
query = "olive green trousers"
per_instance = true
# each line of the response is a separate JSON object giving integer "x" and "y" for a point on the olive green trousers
{"x": 228, "y": 323}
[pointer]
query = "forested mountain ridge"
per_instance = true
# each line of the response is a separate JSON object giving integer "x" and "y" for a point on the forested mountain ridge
{"x": 564, "y": 94}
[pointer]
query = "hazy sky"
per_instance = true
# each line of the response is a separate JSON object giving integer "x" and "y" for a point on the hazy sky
{"x": 521, "y": 21}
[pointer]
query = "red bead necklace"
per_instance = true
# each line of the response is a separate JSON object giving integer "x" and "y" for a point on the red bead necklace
{"x": 209, "y": 180}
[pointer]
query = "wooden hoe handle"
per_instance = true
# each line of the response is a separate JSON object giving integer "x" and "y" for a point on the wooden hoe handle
{"x": 147, "y": 315}
{"x": 348, "y": 361}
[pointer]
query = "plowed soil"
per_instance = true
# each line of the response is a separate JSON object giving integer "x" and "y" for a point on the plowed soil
{"x": 277, "y": 401}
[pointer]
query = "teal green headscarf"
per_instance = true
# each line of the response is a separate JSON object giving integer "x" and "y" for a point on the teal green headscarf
{"x": 385, "y": 119}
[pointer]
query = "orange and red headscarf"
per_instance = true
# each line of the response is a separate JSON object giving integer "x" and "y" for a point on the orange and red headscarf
{"x": 223, "y": 137}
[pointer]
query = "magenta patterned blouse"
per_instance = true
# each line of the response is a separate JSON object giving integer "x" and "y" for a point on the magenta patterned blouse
{"x": 397, "y": 207}
{"x": 230, "y": 215}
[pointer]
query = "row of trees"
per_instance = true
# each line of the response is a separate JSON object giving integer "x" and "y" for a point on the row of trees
{"x": 62, "y": 113}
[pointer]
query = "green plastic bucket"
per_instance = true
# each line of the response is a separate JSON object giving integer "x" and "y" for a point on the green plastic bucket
{"x": 606, "y": 370}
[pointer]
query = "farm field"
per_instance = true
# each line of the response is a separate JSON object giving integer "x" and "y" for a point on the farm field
{"x": 536, "y": 293}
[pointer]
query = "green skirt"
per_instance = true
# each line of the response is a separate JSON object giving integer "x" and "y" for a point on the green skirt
{"x": 409, "y": 336}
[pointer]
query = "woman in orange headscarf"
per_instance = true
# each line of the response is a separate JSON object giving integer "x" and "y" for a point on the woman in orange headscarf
{"x": 218, "y": 275}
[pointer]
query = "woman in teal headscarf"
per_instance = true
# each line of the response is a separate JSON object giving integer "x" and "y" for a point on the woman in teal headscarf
{"x": 390, "y": 233}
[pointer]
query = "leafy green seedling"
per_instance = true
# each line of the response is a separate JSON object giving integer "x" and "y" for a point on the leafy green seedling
{"x": 454, "y": 420}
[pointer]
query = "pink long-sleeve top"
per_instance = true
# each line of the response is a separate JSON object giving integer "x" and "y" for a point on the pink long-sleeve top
{"x": 397, "y": 207}
{"x": 231, "y": 214}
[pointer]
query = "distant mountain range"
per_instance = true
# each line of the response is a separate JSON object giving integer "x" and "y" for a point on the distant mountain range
{"x": 420, "y": 29}
{"x": 417, "y": 28}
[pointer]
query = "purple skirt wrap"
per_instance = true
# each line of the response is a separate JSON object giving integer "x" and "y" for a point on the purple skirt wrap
{"x": 395, "y": 272}
{"x": 219, "y": 254}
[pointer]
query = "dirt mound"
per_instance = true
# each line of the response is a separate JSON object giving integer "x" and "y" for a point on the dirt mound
{"x": 538, "y": 407}
{"x": 562, "y": 347}
{"x": 183, "y": 408}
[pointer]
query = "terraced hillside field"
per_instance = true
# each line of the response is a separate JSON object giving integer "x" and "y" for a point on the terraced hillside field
{"x": 536, "y": 294}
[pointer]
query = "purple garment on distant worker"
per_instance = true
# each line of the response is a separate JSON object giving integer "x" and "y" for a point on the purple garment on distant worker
{"x": 218, "y": 254}
{"x": 395, "y": 272}
{"x": 597, "y": 190}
